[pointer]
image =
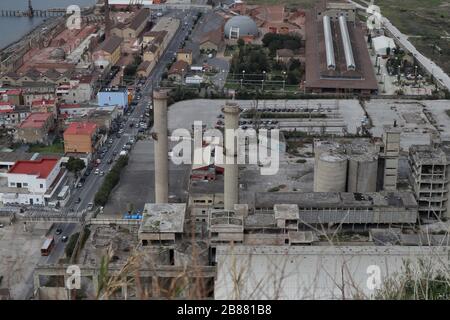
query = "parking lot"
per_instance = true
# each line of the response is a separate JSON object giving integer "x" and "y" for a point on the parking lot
{"x": 137, "y": 182}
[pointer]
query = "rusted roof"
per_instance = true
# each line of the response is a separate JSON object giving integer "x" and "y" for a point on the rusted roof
{"x": 317, "y": 74}
{"x": 111, "y": 44}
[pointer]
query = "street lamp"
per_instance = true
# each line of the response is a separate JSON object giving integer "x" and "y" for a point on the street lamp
{"x": 415, "y": 75}
{"x": 262, "y": 84}
{"x": 284, "y": 79}
{"x": 384, "y": 82}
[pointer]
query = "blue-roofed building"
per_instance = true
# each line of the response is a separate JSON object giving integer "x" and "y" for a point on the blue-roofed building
{"x": 114, "y": 96}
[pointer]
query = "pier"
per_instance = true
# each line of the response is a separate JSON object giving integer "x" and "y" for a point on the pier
{"x": 52, "y": 12}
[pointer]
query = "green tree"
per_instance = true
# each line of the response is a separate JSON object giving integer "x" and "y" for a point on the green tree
{"x": 75, "y": 165}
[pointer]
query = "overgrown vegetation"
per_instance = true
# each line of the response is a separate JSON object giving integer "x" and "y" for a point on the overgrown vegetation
{"x": 56, "y": 147}
{"x": 131, "y": 69}
{"x": 75, "y": 165}
{"x": 111, "y": 180}
{"x": 71, "y": 244}
{"x": 421, "y": 282}
{"x": 425, "y": 22}
{"x": 275, "y": 41}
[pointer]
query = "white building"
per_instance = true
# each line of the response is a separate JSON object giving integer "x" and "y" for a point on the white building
{"x": 194, "y": 80}
{"x": 381, "y": 43}
{"x": 76, "y": 91}
{"x": 31, "y": 181}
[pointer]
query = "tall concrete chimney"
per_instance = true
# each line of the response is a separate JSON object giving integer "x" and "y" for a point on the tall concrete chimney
{"x": 231, "y": 187}
{"x": 161, "y": 146}
{"x": 107, "y": 20}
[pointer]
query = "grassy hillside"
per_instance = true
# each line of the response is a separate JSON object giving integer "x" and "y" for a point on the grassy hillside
{"x": 427, "y": 22}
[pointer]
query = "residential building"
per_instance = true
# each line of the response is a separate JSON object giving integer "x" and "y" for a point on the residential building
{"x": 75, "y": 109}
{"x": 131, "y": 30}
{"x": 178, "y": 70}
{"x": 44, "y": 105}
{"x": 34, "y": 77}
{"x": 212, "y": 41}
{"x": 144, "y": 69}
{"x": 31, "y": 182}
{"x": 12, "y": 115}
{"x": 80, "y": 137}
{"x": 38, "y": 93}
{"x": 185, "y": 55}
{"x": 78, "y": 90}
{"x": 14, "y": 96}
{"x": 35, "y": 128}
{"x": 108, "y": 53}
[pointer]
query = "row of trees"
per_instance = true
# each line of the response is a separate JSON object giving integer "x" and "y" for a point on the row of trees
{"x": 111, "y": 180}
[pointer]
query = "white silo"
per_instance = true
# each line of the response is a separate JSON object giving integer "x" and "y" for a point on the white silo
{"x": 331, "y": 173}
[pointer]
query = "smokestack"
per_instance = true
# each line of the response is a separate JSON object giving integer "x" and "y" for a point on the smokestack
{"x": 107, "y": 20}
{"x": 161, "y": 146}
{"x": 231, "y": 187}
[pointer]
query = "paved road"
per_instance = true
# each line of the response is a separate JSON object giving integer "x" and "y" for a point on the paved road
{"x": 441, "y": 77}
{"x": 93, "y": 182}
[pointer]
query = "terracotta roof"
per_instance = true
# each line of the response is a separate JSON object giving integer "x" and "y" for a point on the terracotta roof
{"x": 40, "y": 168}
{"x": 69, "y": 105}
{"x": 178, "y": 66}
{"x": 13, "y": 92}
{"x": 42, "y": 102}
{"x": 36, "y": 120}
{"x": 111, "y": 44}
{"x": 81, "y": 128}
{"x": 143, "y": 66}
{"x": 184, "y": 50}
{"x": 214, "y": 36}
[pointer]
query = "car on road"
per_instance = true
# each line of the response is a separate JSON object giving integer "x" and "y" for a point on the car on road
{"x": 80, "y": 184}
{"x": 102, "y": 173}
{"x": 97, "y": 171}
{"x": 58, "y": 231}
{"x": 1, "y": 225}
{"x": 90, "y": 206}
{"x": 78, "y": 200}
{"x": 64, "y": 239}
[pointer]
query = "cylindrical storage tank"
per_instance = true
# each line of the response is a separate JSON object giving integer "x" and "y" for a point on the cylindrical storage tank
{"x": 362, "y": 173}
{"x": 321, "y": 147}
{"x": 331, "y": 173}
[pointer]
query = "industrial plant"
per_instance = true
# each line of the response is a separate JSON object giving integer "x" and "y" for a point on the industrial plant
{"x": 221, "y": 150}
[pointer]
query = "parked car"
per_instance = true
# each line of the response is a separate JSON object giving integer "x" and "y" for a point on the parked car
{"x": 97, "y": 171}
{"x": 102, "y": 173}
{"x": 64, "y": 239}
{"x": 90, "y": 206}
{"x": 58, "y": 231}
